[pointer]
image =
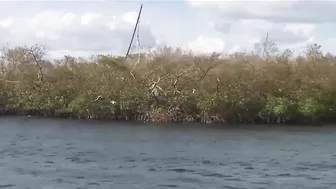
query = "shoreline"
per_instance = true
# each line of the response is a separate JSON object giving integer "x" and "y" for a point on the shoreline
{"x": 190, "y": 126}
{"x": 124, "y": 119}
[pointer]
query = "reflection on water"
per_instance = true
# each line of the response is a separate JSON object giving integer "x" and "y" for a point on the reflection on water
{"x": 61, "y": 154}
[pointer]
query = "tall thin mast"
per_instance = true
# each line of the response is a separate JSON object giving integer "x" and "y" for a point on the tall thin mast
{"x": 135, "y": 28}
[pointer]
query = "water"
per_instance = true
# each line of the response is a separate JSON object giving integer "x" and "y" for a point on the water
{"x": 64, "y": 154}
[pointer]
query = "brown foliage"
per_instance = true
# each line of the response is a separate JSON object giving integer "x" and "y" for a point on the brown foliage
{"x": 170, "y": 85}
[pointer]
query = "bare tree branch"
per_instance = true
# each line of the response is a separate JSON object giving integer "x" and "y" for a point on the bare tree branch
{"x": 9, "y": 81}
{"x": 37, "y": 53}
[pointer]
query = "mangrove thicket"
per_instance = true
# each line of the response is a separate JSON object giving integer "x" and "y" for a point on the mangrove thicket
{"x": 169, "y": 85}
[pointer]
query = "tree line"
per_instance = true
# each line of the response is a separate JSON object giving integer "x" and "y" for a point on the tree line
{"x": 169, "y": 85}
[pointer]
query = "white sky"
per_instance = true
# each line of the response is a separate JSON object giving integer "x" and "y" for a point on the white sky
{"x": 89, "y": 27}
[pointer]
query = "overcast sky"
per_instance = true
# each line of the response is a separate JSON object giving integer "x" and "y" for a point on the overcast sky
{"x": 89, "y": 27}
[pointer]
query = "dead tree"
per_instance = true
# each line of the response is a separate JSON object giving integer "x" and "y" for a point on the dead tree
{"x": 37, "y": 54}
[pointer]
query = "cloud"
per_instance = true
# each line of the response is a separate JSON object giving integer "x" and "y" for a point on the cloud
{"x": 304, "y": 11}
{"x": 207, "y": 45}
{"x": 90, "y": 32}
{"x": 293, "y": 24}
{"x": 91, "y": 27}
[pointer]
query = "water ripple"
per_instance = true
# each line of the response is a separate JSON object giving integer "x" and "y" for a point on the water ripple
{"x": 77, "y": 156}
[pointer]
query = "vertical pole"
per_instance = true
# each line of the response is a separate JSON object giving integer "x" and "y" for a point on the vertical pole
{"x": 136, "y": 26}
{"x": 265, "y": 46}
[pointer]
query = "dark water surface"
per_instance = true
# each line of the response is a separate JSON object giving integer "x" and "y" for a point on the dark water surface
{"x": 65, "y": 154}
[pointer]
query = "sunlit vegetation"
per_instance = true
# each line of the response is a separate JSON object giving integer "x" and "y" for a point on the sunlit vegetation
{"x": 265, "y": 86}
